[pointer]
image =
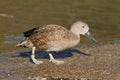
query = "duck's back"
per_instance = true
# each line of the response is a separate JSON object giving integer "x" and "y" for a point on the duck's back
{"x": 43, "y": 29}
{"x": 50, "y": 37}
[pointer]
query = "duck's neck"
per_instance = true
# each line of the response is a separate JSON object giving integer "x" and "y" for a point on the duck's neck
{"x": 75, "y": 37}
{"x": 75, "y": 31}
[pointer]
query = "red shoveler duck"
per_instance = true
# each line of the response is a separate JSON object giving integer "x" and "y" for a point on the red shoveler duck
{"x": 54, "y": 38}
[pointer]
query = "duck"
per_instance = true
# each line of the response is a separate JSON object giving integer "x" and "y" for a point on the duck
{"x": 53, "y": 37}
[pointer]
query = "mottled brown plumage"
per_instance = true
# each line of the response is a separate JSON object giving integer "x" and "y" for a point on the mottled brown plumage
{"x": 54, "y": 38}
{"x": 49, "y": 36}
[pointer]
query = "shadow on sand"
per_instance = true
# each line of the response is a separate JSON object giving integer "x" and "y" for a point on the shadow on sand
{"x": 44, "y": 54}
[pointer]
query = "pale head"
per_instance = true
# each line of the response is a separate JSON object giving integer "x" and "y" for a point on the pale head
{"x": 81, "y": 28}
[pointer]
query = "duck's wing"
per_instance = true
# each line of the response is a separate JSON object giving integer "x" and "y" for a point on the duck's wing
{"x": 43, "y": 29}
{"x": 31, "y": 31}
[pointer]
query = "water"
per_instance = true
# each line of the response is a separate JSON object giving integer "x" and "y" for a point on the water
{"x": 17, "y": 16}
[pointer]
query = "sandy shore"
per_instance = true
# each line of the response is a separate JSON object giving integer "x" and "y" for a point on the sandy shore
{"x": 90, "y": 62}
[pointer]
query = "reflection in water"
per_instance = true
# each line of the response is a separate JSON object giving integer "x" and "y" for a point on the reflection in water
{"x": 102, "y": 16}
{"x": 10, "y": 42}
{"x": 13, "y": 39}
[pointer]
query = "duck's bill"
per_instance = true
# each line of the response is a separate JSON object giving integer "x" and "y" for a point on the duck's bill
{"x": 90, "y": 37}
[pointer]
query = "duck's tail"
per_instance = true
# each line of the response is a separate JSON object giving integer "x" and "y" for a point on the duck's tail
{"x": 22, "y": 43}
{"x": 25, "y": 43}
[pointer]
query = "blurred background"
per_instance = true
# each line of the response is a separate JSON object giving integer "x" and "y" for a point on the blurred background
{"x": 17, "y": 16}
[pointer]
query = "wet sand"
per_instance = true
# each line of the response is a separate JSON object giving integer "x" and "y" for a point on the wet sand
{"x": 89, "y": 62}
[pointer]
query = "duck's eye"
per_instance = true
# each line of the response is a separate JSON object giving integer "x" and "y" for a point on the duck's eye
{"x": 83, "y": 26}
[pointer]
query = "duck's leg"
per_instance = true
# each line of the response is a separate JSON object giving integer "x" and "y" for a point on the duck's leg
{"x": 55, "y": 61}
{"x": 33, "y": 57}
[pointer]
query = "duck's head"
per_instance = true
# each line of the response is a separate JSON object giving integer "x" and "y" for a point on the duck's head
{"x": 81, "y": 28}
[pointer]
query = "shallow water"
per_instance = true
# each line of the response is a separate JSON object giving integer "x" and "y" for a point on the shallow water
{"x": 17, "y": 16}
